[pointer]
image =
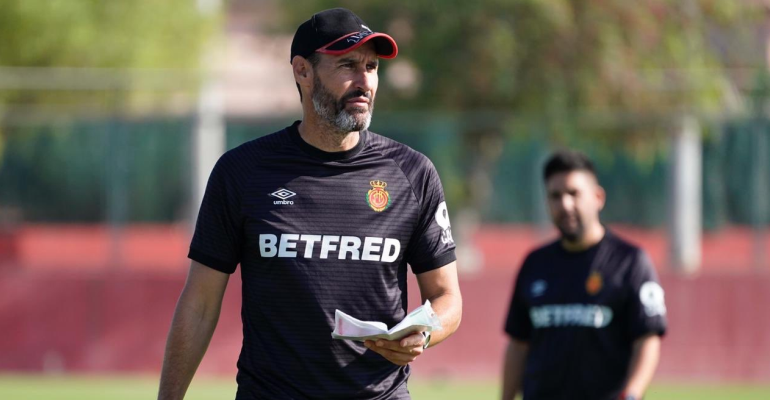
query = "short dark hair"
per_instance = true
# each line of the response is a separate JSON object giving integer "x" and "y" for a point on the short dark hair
{"x": 314, "y": 59}
{"x": 567, "y": 161}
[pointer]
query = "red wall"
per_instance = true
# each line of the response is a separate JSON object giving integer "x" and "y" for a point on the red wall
{"x": 112, "y": 321}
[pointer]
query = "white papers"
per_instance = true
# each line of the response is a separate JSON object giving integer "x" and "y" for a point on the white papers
{"x": 421, "y": 319}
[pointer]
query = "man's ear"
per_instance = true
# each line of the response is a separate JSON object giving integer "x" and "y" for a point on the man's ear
{"x": 302, "y": 69}
{"x": 601, "y": 196}
{"x": 303, "y": 74}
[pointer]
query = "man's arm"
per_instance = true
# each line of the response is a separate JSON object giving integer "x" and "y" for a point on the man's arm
{"x": 442, "y": 288}
{"x": 195, "y": 318}
{"x": 644, "y": 361}
{"x": 513, "y": 368}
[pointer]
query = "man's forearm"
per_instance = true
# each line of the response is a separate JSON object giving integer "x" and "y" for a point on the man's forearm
{"x": 449, "y": 308}
{"x": 513, "y": 368}
{"x": 442, "y": 288}
{"x": 644, "y": 361}
{"x": 188, "y": 339}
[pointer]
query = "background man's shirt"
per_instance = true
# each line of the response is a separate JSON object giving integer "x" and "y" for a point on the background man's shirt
{"x": 580, "y": 313}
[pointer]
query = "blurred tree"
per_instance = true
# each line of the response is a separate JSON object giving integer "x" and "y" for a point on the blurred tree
{"x": 556, "y": 67}
{"x": 553, "y": 57}
{"x": 106, "y": 35}
{"x": 100, "y": 34}
{"x": 93, "y": 33}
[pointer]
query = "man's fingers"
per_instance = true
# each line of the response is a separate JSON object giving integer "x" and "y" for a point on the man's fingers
{"x": 413, "y": 340}
{"x": 399, "y": 352}
{"x": 396, "y": 357}
{"x": 406, "y": 344}
{"x": 392, "y": 348}
{"x": 395, "y": 346}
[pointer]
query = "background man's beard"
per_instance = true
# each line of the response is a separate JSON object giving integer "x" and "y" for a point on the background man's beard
{"x": 334, "y": 112}
{"x": 572, "y": 235}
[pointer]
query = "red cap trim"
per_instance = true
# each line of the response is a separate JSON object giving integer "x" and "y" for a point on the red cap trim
{"x": 324, "y": 49}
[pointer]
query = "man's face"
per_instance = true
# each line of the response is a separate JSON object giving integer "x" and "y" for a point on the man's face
{"x": 344, "y": 88}
{"x": 574, "y": 201}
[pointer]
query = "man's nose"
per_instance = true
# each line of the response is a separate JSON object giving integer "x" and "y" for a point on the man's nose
{"x": 567, "y": 202}
{"x": 364, "y": 80}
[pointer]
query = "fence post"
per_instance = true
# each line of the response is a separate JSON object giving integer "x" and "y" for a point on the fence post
{"x": 209, "y": 140}
{"x": 685, "y": 196}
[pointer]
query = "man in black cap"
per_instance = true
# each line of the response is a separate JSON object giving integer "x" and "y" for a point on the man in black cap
{"x": 322, "y": 215}
{"x": 587, "y": 311}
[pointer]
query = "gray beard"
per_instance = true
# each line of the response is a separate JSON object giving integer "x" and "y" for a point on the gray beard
{"x": 335, "y": 114}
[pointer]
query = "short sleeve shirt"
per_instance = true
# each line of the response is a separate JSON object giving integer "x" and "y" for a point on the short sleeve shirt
{"x": 580, "y": 313}
{"x": 314, "y": 232}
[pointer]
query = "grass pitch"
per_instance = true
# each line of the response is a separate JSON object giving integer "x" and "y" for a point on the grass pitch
{"x": 24, "y": 387}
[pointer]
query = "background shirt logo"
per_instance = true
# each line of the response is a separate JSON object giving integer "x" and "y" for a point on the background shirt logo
{"x": 567, "y": 315}
{"x": 378, "y": 198}
{"x": 538, "y": 288}
{"x": 594, "y": 283}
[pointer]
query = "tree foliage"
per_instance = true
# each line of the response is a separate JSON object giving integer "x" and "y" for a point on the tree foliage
{"x": 100, "y": 39}
{"x": 108, "y": 36}
{"x": 545, "y": 56}
{"x": 606, "y": 75}
{"x": 96, "y": 33}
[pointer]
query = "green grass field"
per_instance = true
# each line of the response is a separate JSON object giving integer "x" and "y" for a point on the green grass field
{"x": 23, "y": 387}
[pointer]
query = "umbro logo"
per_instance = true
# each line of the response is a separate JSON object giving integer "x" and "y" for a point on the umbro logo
{"x": 283, "y": 195}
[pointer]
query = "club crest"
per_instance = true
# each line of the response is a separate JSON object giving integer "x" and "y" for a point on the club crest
{"x": 594, "y": 283}
{"x": 378, "y": 198}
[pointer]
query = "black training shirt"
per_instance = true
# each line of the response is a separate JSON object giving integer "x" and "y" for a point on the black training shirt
{"x": 580, "y": 313}
{"x": 314, "y": 232}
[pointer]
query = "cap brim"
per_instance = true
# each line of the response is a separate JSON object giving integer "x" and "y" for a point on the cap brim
{"x": 384, "y": 45}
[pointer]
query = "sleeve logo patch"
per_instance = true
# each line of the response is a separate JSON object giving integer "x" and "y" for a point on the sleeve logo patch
{"x": 653, "y": 299}
{"x": 378, "y": 198}
{"x": 442, "y": 219}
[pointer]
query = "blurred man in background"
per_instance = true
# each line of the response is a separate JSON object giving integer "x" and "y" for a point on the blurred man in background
{"x": 587, "y": 312}
{"x": 322, "y": 215}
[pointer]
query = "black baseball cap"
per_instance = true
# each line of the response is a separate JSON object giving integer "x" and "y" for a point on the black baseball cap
{"x": 338, "y": 31}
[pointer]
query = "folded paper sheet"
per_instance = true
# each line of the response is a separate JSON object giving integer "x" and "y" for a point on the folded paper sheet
{"x": 421, "y": 319}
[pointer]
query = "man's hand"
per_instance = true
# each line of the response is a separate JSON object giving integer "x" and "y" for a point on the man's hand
{"x": 441, "y": 287}
{"x": 399, "y": 352}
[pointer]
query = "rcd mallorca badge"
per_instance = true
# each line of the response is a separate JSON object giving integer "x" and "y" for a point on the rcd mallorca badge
{"x": 594, "y": 283}
{"x": 378, "y": 198}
